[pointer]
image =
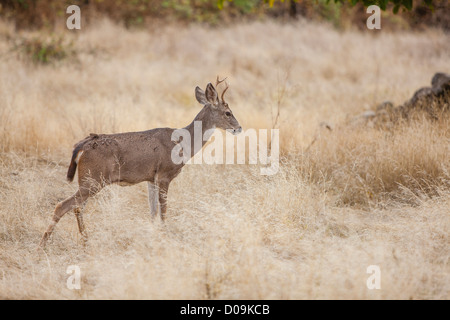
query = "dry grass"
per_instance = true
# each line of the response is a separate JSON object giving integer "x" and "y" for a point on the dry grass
{"x": 373, "y": 167}
{"x": 358, "y": 196}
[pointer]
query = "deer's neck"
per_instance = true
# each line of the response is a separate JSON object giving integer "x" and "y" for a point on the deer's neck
{"x": 200, "y": 130}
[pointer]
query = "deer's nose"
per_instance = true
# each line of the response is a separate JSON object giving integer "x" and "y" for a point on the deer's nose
{"x": 237, "y": 131}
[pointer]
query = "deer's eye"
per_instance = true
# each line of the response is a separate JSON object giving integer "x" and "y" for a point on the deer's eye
{"x": 228, "y": 114}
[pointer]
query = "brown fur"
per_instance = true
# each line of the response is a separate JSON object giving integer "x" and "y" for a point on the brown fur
{"x": 134, "y": 157}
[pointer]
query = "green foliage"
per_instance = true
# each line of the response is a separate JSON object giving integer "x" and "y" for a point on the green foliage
{"x": 330, "y": 11}
{"x": 45, "y": 14}
{"x": 45, "y": 51}
{"x": 246, "y": 6}
{"x": 407, "y": 4}
{"x": 181, "y": 8}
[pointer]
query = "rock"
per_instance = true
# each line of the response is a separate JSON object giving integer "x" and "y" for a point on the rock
{"x": 368, "y": 115}
{"x": 440, "y": 83}
{"x": 420, "y": 94}
{"x": 433, "y": 100}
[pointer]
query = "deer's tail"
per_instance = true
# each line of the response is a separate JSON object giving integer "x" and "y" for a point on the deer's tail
{"x": 76, "y": 154}
{"x": 74, "y": 162}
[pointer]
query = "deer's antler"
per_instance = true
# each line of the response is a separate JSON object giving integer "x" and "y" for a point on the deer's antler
{"x": 224, "y": 91}
{"x": 219, "y": 82}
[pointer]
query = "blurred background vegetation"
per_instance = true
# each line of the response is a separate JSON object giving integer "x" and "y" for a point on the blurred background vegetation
{"x": 398, "y": 14}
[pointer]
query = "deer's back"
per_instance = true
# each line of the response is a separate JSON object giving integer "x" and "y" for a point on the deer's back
{"x": 128, "y": 158}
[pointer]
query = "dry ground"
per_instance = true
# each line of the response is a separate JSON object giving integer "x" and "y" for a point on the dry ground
{"x": 358, "y": 196}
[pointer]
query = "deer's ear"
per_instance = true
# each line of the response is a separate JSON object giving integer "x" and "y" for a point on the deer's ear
{"x": 211, "y": 94}
{"x": 200, "y": 95}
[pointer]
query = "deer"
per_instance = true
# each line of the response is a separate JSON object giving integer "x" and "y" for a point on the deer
{"x": 134, "y": 157}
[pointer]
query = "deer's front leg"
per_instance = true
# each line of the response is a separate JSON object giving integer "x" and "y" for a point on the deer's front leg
{"x": 153, "y": 198}
{"x": 163, "y": 189}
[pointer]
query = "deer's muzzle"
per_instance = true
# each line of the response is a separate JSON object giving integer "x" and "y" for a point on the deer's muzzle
{"x": 236, "y": 131}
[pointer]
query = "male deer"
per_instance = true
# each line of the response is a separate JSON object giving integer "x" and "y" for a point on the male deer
{"x": 133, "y": 157}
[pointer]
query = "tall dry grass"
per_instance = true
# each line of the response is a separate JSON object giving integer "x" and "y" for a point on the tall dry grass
{"x": 372, "y": 166}
{"x": 357, "y": 196}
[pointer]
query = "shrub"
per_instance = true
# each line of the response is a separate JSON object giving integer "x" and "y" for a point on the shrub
{"x": 42, "y": 50}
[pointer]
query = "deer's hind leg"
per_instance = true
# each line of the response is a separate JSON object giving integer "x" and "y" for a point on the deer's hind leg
{"x": 62, "y": 208}
{"x": 81, "y": 227}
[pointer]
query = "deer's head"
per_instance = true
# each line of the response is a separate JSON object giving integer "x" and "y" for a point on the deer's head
{"x": 221, "y": 114}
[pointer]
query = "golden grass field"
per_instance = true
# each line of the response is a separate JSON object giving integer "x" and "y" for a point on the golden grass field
{"x": 358, "y": 196}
